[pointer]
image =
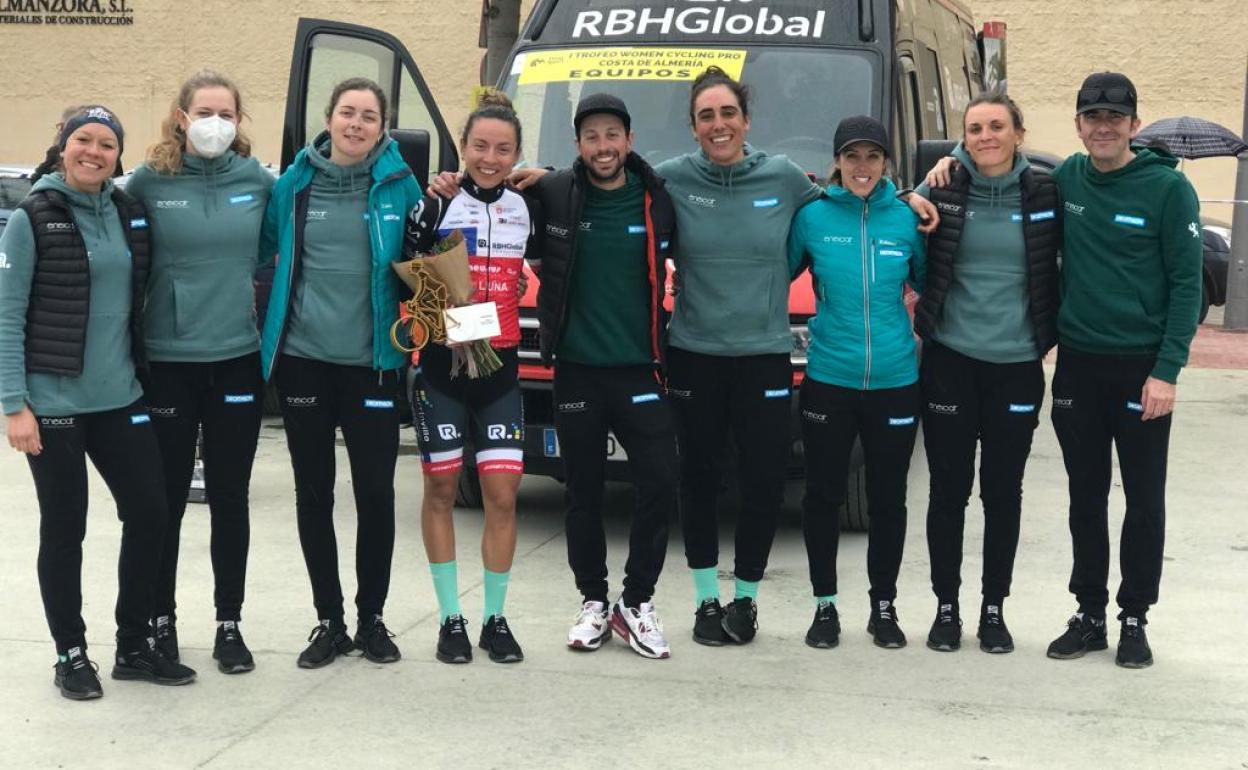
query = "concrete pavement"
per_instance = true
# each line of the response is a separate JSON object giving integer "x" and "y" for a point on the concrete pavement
{"x": 775, "y": 702}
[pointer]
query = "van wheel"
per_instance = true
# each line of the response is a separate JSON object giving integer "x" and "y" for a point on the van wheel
{"x": 854, "y": 511}
{"x": 468, "y": 492}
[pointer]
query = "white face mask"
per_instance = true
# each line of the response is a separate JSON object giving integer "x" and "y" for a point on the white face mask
{"x": 211, "y": 136}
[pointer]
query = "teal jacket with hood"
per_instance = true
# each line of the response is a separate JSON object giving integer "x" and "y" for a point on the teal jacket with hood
{"x": 394, "y": 192}
{"x": 861, "y": 254}
{"x": 733, "y": 223}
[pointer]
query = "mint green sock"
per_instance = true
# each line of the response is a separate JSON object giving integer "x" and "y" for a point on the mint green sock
{"x": 829, "y": 599}
{"x": 747, "y": 589}
{"x": 446, "y": 588}
{"x": 495, "y": 593}
{"x": 705, "y": 585}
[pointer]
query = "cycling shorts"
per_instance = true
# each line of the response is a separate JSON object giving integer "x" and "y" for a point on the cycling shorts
{"x": 446, "y": 408}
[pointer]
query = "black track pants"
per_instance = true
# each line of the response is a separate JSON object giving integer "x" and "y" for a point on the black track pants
{"x": 1096, "y": 405}
{"x": 967, "y": 404}
{"x": 316, "y": 398}
{"x": 122, "y": 447}
{"x": 747, "y": 399}
{"x": 630, "y": 402}
{"x": 832, "y": 418}
{"x": 226, "y": 399}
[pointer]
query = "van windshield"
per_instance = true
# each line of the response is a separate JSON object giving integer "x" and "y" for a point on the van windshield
{"x": 799, "y": 95}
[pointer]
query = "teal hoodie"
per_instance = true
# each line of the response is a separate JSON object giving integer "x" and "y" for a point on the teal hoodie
{"x": 1131, "y": 260}
{"x": 985, "y": 314}
{"x": 391, "y": 193}
{"x": 205, "y": 223}
{"x": 107, "y": 380}
{"x": 733, "y": 224}
{"x": 861, "y": 254}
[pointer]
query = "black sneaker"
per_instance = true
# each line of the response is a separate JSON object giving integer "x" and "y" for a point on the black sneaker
{"x": 946, "y": 633}
{"x": 1083, "y": 634}
{"x": 825, "y": 631}
{"x": 148, "y": 664}
{"x": 740, "y": 620}
{"x": 1133, "y": 649}
{"x": 498, "y": 641}
{"x": 374, "y": 639}
{"x": 993, "y": 636}
{"x": 708, "y": 624}
{"x": 454, "y": 646}
{"x": 230, "y": 651}
{"x": 883, "y": 626}
{"x": 328, "y": 640}
{"x": 165, "y": 632}
{"x": 76, "y": 676}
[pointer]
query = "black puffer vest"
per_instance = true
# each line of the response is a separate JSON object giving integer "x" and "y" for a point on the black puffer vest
{"x": 1042, "y": 236}
{"x": 60, "y": 293}
{"x": 562, "y": 196}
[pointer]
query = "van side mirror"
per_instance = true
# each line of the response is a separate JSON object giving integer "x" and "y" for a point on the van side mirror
{"x": 929, "y": 151}
{"x": 414, "y": 147}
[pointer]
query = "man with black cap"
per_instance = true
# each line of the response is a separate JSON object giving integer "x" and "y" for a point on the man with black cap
{"x": 1131, "y": 277}
{"x": 608, "y": 232}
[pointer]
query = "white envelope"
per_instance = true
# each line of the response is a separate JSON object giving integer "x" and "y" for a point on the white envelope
{"x": 472, "y": 322}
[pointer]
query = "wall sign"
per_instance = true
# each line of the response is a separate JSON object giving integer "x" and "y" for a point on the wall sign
{"x": 68, "y": 13}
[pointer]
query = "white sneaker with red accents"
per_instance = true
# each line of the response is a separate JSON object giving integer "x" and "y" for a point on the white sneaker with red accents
{"x": 590, "y": 629}
{"x": 641, "y": 629}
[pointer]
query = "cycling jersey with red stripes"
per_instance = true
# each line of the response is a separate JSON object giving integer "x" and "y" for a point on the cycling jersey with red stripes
{"x": 497, "y": 224}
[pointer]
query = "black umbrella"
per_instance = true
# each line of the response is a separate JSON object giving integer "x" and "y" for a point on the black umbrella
{"x": 1192, "y": 138}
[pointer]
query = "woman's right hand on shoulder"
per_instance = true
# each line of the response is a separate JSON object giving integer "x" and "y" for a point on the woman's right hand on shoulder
{"x": 524, "y": 177}
{"x": 23, "y": 430}
{"x": 445, "y": 184}
{"x": 941, "y": 173}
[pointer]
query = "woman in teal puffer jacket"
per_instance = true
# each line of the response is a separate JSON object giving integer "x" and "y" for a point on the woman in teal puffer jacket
{"x": 862, "y": 246}
{"x": 337, "y": 216}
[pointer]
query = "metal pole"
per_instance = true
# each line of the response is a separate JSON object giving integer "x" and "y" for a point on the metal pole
{"x": 502, "y": 19}
{"x": 1235, "y": 315}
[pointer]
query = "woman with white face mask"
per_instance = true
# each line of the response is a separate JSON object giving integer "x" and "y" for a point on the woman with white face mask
{"x": 206, "y": 197}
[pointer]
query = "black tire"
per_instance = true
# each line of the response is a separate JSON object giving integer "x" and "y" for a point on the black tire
{"x": 468, "y": 492}
{"x": 854, "y": 512}
{"x": 1204, "y": 302}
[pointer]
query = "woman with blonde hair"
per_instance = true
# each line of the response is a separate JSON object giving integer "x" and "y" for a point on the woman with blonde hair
{"x": 206, "y": 198}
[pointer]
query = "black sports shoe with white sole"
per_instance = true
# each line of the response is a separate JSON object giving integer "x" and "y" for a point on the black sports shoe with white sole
{"x": 165, "y": 632}
{"x": 498, "y": 641}
{"x": 454, "y": 646}
{"x": 825, "y": 631}
{"x": 376, "y": 641}
{"x": 946, "y": 633}
{"x": 708, "y": 624}
{"x": 1133, "y": 649}
{"x": 993, "y": 635}
{"x": 1083, "y": 634}
{"x": 148, "y": 664}
{"x": 76, "y": 676}
{"x": 741, "y": 620}
{"x": 230, "y": 651}
{"x": 883, "y": 626}
{"x": 328, "y": 640}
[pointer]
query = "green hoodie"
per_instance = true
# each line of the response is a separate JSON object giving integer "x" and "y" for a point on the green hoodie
{"x": 107, "y": 380}
{"x": 1131, "y": 260}
{"x": 731, "y": 253}
{"x": 985, "y": 312}
{"x": 331, "y": 316}
{"x": 205, "y": 223}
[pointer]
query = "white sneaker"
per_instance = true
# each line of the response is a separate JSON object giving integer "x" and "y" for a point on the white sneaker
{"x": 641, "y": 629}
{"x": 591, "y": 628}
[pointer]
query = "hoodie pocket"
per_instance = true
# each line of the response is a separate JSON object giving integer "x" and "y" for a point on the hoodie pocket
{"x": 725, "y": 299}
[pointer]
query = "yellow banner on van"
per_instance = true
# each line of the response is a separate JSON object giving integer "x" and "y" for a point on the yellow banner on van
{"x": 627, "y": 64}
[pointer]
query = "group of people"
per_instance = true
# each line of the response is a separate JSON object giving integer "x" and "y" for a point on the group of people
{"x": 127, "y": 326}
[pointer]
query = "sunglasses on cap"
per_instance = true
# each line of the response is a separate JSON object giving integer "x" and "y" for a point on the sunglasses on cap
{"x": 1111, "y": 95}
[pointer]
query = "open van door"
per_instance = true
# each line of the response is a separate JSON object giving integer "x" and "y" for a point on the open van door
{"x": 328, "y": 52}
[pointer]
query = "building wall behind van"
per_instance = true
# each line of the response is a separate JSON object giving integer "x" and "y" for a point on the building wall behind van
{"x": 1185, "y": 56}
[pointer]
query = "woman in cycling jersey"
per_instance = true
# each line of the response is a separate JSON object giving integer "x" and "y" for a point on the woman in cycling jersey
{"x": 861, "y": 245}
{"x": 337, "y": 215}
{"x": 498, "y": 229}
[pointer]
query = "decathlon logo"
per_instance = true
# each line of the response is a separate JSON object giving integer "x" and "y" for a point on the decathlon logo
{"x": 1127, "y": 219}
{"x": 448, "y": 432}
{"x": 1016, "y": 217}
{"x": 378, "y": 403}
{"x": 173, "y": 204}
{"x": 496, "y": 432}
{"x": 645, "y": 397}
{"x": 237, "y": 199}
{"x": 776, "y": 393}
{"x": 636, "y": 229}
{"x": 766, "y": 203}
{"x": 240, "y": 398}
{"x": 891, "y": 253}
{"x": 949, "y": 409}
{"x": 138, "y": 224}
{"x": 1135, "y": 406}
{"x": 698, "y": 200}
{"x": 139, "y": 419}
{"x": 1040, "y": 216}
{"x": 1022, "y": 408}
{"x": 895, "y": 421}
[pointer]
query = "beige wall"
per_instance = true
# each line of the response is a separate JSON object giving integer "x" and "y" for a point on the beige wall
{"x": 1186, "y": 57}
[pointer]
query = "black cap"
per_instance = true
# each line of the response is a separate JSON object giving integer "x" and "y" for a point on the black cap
{"x": 1106, "y": 91}
{"x": 860, "y": 129}
{"x": 600, "y": 103}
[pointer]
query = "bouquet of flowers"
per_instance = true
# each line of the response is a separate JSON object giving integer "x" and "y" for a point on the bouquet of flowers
{"x": 440, "y": 281}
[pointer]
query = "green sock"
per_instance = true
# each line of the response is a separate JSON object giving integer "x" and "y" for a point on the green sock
{"x": 705, "y": 585}
{"x": 821, "y": 599}
{"x": 446, "y": 588}
{"x": 747, "y": 589}
{"x": 495, "y": 593}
